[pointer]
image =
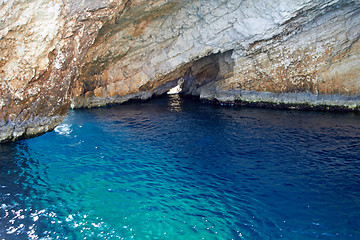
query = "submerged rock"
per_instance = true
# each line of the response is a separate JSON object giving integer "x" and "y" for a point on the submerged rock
{"x": 57, "y": 54}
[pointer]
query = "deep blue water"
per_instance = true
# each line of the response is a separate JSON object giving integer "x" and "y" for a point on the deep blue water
{"x": 178, "y": 169}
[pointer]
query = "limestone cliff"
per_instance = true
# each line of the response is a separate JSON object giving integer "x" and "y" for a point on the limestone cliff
{"x": 93, "y": 53}
{"x": 42, "y": 42}
{"x": 281, "y": 51}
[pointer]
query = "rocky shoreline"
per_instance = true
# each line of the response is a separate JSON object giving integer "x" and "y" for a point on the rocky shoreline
{"x": 72, "y": 54}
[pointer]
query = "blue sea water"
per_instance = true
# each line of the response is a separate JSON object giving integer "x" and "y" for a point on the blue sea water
{"x": 173, "y": 168}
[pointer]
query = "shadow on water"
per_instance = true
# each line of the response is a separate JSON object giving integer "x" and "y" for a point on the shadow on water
{"x": 177, "y": 169}
{"x": 19, "y": 173}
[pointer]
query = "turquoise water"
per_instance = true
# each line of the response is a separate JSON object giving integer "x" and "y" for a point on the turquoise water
{"x": 172, "y": 168}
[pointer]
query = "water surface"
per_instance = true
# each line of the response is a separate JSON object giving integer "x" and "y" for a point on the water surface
{"x": 177, "y": 169}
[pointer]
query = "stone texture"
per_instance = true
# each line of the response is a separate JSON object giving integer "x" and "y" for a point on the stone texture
{"x": 41, "y": 43}
{"x": 293, "y": 49}
{"x": 92, "y": 53}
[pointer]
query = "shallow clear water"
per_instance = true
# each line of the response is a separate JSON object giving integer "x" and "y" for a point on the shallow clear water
{"x": 177, "y": 169}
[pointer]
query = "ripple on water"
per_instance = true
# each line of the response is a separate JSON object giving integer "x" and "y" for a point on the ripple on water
{"x": 177, "y": 169}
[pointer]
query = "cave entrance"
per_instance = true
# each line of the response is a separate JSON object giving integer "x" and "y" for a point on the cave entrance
{"x": 201, "y": 73}
{"x": 178, "y": 88}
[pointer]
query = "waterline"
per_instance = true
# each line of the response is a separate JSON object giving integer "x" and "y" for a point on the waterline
{"x": 177, "y": 169}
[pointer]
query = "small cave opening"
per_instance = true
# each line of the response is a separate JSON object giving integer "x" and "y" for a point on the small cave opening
{"x": 178, "y": 88}
{"x": 196, "y": 75}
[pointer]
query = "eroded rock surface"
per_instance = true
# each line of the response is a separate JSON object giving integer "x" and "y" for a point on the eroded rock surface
{"x": 41, "y": 43}
{"x": 283, "y": 51}
{"x": 92, "y": 53}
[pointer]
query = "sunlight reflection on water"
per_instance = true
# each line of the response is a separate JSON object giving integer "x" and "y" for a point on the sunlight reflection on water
{"x": 176, "y": 169}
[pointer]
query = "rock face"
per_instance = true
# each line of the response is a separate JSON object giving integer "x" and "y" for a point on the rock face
{"x": 92, "y": 53}
{"x": 42, "y": 43}
{"x": 292, "y": 52}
